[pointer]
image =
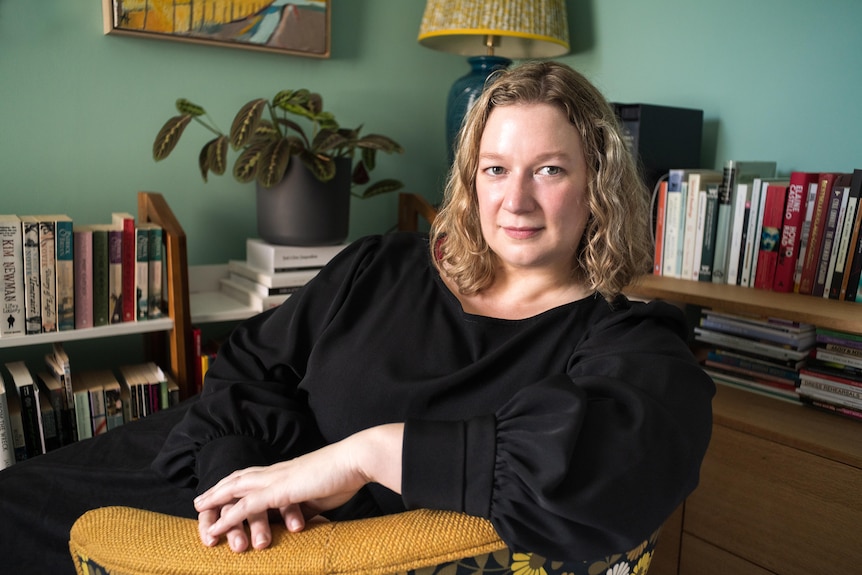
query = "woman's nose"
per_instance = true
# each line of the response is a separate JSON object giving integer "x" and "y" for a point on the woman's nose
{"x": 519, "y": 196}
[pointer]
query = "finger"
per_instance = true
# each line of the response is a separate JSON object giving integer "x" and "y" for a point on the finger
{"x": 205, "y": 521}
{"x": 293, "y": 517}
{"x": 229, "y": 488}
{"x": 237, "y": 538}
{"x": 261, "y": 534}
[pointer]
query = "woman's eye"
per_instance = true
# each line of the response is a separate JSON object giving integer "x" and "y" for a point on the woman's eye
{"x": 550, "y": 170}
{"x": 495, "y": 171}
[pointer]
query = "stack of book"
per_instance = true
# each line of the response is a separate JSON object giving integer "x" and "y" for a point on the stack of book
{"x": 759, "y": 354}
{"x": 270, "y": 273}
{"x": 832, "y": 379}
{"x": 61, "y": 276}
{"x": 745, "y": 226}
{"x": 48, "y": 407}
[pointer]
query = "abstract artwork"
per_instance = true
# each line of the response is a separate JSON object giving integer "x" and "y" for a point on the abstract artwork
{"x": 299, "y": 27}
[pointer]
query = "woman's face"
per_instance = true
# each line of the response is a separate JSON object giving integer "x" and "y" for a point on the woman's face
{"x": 531, "y": 184}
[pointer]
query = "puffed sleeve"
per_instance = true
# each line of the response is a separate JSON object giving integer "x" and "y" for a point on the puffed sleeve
{"x": 581, "y": 464}
{"x": 251, "y": 410}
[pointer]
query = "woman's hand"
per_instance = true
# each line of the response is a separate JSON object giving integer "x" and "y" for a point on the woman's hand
{"x": 298, "y": 489}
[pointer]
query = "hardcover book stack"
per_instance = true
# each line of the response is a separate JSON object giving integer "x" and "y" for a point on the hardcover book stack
{"x": 759, "y": 354}
{"x": 48, "y": 407}
{"x": 832, "y": 379}
{"x": 270, "y": 273}
{"x": 60, "y": 276}
{"x": 745, "y": 226}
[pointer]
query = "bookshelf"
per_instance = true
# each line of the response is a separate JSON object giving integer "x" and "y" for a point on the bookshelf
{"x": 117, "y": 329}
{"x": 776, "y": 494}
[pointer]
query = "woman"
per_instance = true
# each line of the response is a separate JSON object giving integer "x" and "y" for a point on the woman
{"x": 493, "y": 368}
{"x": 501, "y": 373}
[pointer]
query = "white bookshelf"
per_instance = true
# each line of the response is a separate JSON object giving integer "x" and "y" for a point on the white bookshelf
{"x": 209, "y": 304}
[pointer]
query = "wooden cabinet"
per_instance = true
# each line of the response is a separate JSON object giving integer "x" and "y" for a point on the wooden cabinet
{"x": 781, "y": 485}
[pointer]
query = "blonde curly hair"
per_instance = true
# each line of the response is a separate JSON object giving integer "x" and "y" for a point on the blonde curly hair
{"x": 616, "y": 246}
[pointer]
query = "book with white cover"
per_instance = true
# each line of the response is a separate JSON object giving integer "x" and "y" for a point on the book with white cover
{"x": 12, "y": 261}
{"x": 273, "y": 258}
{"x": 7, "y": 445}
{"x": 293, "y": 278}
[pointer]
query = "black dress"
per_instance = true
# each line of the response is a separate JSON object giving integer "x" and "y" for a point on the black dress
{"x": 576, "y": 432}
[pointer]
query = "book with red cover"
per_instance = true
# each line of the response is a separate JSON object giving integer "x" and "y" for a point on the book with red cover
{"x": 770, "y": 235}
{"x": 126, "y": 222}
{"x": 837, "y": 199}
{"x": 794, "y": 212}
{"x": 815, "y": 234}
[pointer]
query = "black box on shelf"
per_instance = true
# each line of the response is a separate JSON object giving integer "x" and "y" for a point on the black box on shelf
{"x": 661, "y": 137}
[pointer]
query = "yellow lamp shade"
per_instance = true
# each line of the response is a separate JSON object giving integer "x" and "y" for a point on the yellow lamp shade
{"x": 517, "y": 28}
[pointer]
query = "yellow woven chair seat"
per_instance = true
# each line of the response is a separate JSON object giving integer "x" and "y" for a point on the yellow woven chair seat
{"x": 127, "y": 541}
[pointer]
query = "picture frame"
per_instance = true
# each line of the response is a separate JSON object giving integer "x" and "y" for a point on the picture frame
{"x": 294, "y": 27}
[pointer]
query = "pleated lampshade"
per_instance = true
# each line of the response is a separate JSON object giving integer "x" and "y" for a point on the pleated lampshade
{"x": 519, "y": 28}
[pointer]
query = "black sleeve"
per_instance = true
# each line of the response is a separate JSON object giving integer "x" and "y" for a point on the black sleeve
{"x": 581, "y": 464}
{"x": 251, "y": 410}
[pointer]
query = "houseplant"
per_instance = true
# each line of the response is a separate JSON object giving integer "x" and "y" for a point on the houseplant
{"x": 310, "y": 198}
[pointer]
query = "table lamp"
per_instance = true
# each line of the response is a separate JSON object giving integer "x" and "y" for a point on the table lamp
{"x": 491, "y": 34}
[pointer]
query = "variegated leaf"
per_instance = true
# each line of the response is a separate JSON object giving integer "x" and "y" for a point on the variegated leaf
{"x": 378, "y": 142}
{"x": 323, "y": 167}
{"x": 186, "y": 107}
{"x": 274, "y": 163}
{"x": 217, "y": 154}
{"x": 248, "y": 163}
{"x": 204, "y": 161}
{"x": 169, "y": 135}
{"x": 245, "y": 122}
{"x": 381, "y": 187}
{"x": 369, "y": 158}
{"x": 326, "y": 140}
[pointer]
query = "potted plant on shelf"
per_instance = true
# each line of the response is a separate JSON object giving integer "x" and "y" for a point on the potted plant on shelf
{"x": 305, "y": 202}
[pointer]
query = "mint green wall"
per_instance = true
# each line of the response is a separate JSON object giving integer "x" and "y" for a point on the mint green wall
{"x": 777, "y": 79}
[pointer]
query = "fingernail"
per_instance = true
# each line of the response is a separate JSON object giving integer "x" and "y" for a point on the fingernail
{"x": 261, "y": 541}
{"x": 295, "y": 525}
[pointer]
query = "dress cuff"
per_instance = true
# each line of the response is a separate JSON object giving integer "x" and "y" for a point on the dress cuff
{"x": 221, "y": 457}
{"x": 449, "y": 465}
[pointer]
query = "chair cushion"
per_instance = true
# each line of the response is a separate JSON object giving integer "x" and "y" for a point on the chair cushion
{"x": 126, "y": 541}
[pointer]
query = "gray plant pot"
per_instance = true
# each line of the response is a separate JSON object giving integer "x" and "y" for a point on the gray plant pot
{"x": 302, "y": 211}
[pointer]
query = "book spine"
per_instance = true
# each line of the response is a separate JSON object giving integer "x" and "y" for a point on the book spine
{"x": 689, "y": 237}
{"x": 7, "y": 446}
{"x": 752, "y": 239}
{"x": 129, "y": 267}
{"x": 142, "y": 273}
{"x": 83, "y": 263}
{"x": 155, "y": 247}
{"x": 275, "y": 259}
{"x": 837, "y": 270}
{"x": 674, "y": 215}
{"x": 794, "y": 212}
{"x": 724, "y": 224}
{"x": 83, "y": 421}
{"x": 742, "y": 201}
{"x": 770, "y": 236}
{"x": 12, "y": 260}
{"x": 810, "y": 202}
{"x": 65, "y": 250}
{"x": 32, "y": 282}
{"x": 854, "y": 277}
{"x": 113, "y": 407}
{"x": 30, "y": 416}
{"x": 661, "y": 209}
{"x": 98, "y": 415}
{"x": 853, "y": 245}
{"x": 115, "y": 275}
{"x": 833, "y": 215}
{"x": 700, "y": 229}
{"x": 101, "y": 279}
{"x": 707, "y": 254}
{"x": 48, "y": 275}
{"x": 815, "y": 234}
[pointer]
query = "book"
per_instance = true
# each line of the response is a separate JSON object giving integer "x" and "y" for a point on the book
{"x": 836, "y": 205}
{"x": 132, "y": 383}
{"x": 142, "y": 272}
{"x": 7, "y": 445}
{"x": 83, "y": 272}
{"x": 292, "y": 278}
{"x": 114, "y": 415}
{"x": 31, "y": 415}
{"x": 89, "y": 386}
{"x": 844, "y": 359}
{"x": 48, "y": 271}
{"x": 810, "y": 203}
{"x": 770, "y": 235}
{"x": 48, "y": 419}
{"x": 758, "y": 232}
{"x": 101, "y": 275}
{"x": 62, "y": 368}
{"x": 772, "y": 351}
{"x": 674, "y": 222}
{"x": 710, "y": 219}
{"x": 64, "y": 246}
{"x": 32, "y": 276}
{"x": 734, "y": 173}
{"x": 764, "y": 387}
{"x": 126, "y": 223}
{"x": 738, "y": 232}
{"x": 155, "y": 270}
{"x": 808, "y": 273}
{"x": 730, "y": 361}
{"x": 751, "y": 245}
{"x": 698, "y": 180}
{"x": 51, "y": 390}
{"x": 250, "y": 297}
{"x": 16, "y": 422}
{"x": 849, "y": 230}
{"x": 273, "y": 258}
{"x": 791, "y": 229}
{"x": 658, "y": 233}
{"x": 831, "y": 408}
{"x": 261, "y": 289}
{"x": 801, "y": 340}
{"x": 116, "y": 282}
{"x": 12, "y": 261}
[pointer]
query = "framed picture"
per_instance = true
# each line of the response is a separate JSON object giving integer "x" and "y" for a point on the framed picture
{"x": 298, "y": 27}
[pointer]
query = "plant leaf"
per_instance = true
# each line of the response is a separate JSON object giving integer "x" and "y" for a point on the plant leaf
{"x": 217, "y": 154}
{"x": 315, "y": 103}
{"x": 248, "y": 163}
{"x": 326, "y": 140}
{"x": 245, "y": 122}
{"x": 360, "y": 175}
{"x": 204, "y": 161}
{"x": 369, "y": 158}
{"x": 192, "y": 109}
{"x": 274, "y": 162}
{"x": 379, "y": 142}
{"x": 381, "y": 187}
{"x": 169, "y": 135}
{"x": 323, "y": 167}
